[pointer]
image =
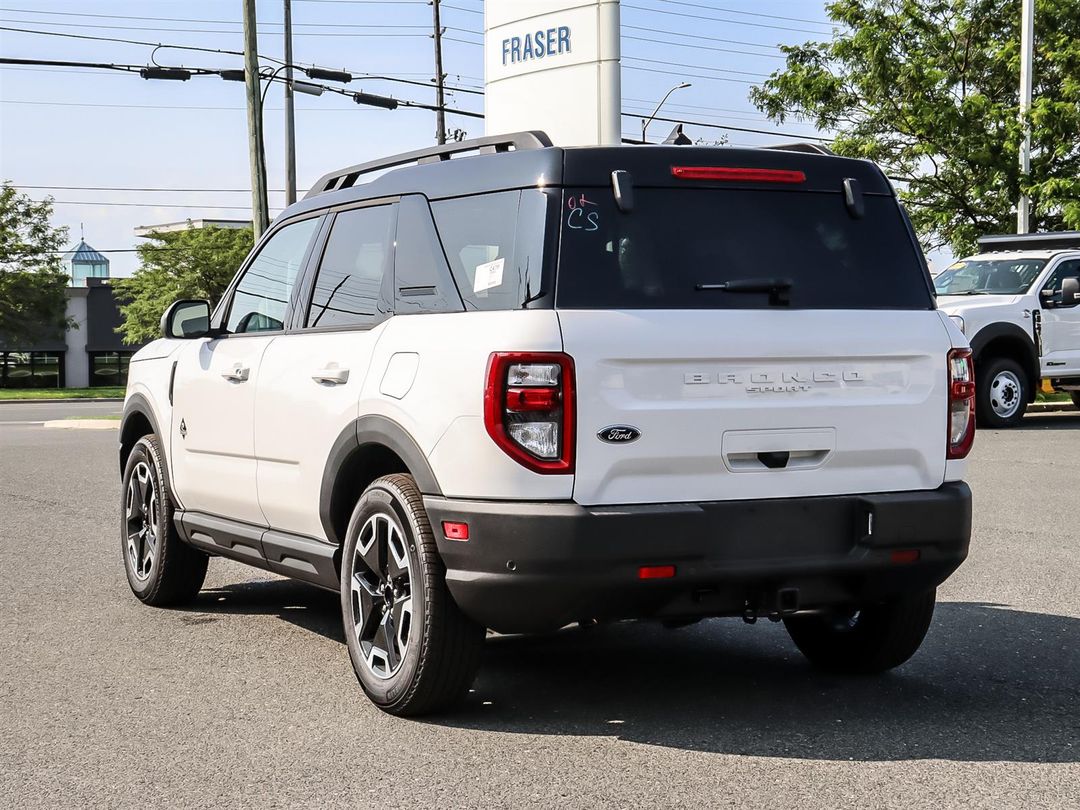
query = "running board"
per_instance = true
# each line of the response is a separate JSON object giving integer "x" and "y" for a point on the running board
{"x": 292, "y": 555}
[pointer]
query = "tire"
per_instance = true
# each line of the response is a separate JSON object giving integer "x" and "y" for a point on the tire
{"x": 873, "y": 639}
{"x": 1001, "y": 393}
{"x": 161, "y": 568}
{"x": 412, "y": 649}
{"x": 1076, "y": 399}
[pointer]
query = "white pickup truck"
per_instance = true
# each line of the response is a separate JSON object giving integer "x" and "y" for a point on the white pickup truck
{"x": 1018, "y": 302}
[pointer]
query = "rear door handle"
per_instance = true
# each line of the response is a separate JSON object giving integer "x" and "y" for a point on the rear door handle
{"x": 237, "y": 373}
{"x": 332, "y": 375}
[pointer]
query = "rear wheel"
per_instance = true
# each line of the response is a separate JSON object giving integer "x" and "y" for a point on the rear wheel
{"x": 412, "y": 649}
{"x": 161, "y": 568}
{"x": 1076, "y": 399}
{"x": 867, "y": 640}
{"x": 1001, "y": 393}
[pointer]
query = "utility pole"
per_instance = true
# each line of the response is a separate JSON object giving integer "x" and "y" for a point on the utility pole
{"x": 440, "y": 78}
{"x": 290, "y": 113}
{"x": 1027, "y": 55}
{"x": 260, "y": 214}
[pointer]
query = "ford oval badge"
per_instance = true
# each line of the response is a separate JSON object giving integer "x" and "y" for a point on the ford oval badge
{"x": 619, "y": 434}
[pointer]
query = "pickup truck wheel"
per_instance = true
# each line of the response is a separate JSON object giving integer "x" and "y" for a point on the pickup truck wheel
{"x": 872, "y": 639}
{"x": 412, "y": 649}
{"x": 1076, "y": 399}
{"x": 1001, "y": 393}
{"x": 161, "y": 568}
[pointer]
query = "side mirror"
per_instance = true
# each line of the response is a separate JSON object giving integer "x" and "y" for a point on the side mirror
{"x": 1070, "y": 291}
{"x": 186, "y": 319}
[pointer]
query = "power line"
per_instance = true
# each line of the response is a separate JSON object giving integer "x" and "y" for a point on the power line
{"x": 722, "y": 20}
{"x": 210, "y": 31}
{"x": 735, "y": 129}
{"x": 745, "y": 13}
{"x": 158, "y": 205}
{"x": 703, "y": 47}
{"x": 687, "y": 75}
{"x": 137, "y": 188}
{"x": 698, "y": 67}
{"x": 699, "y": 36}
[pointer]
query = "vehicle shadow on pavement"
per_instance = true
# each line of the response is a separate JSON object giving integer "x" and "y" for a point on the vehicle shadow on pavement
{"x": 989, "y": 684}
{"x": 1066, "y": 420}
{"x": 303, "y": 605}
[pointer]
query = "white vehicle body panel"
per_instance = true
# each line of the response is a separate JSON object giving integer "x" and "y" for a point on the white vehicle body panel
{"x": 857, "y": 397}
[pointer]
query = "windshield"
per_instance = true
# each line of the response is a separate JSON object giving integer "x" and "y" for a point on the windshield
{"x": 736, "y": 249}
{"x": 989, "y": 277}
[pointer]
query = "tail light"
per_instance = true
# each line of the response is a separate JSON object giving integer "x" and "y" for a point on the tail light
{"x": 961, "y": 403}
{"x": 529, "y": 408}
{"x": 738, "y": 174}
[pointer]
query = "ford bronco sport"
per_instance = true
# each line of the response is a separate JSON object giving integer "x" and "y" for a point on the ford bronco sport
{"x": 512, "y": 386}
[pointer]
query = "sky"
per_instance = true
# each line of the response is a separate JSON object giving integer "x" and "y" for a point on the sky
{"x": 79, "y": 135}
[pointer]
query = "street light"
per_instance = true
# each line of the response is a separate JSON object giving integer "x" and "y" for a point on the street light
{"x": 646, "y": 121}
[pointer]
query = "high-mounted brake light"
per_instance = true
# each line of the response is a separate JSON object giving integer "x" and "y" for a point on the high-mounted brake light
{"x": 735, "y": 174}
{"x": 529, "y": 408}
{"x": 961, "y": 403}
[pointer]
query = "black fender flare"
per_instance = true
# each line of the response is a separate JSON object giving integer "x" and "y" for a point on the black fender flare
{"x": 1030, "y": 360}
{"x": 371, "y": 430}
{"x": 139, "y": 404}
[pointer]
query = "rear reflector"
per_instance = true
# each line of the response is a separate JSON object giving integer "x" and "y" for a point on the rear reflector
{"x": 656, "y": 572}
{"x": 904, "y": 555}
{"x": 733, "y": 174}
{"x": 455, "y": 531}
{"x": 523, "y": 400}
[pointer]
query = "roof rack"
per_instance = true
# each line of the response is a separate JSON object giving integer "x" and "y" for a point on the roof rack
{"x": 346, "y": 178}
{"x": 1029, "y": 241}
{"x": 811, "y": 148}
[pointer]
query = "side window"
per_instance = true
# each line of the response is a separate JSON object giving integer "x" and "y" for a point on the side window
{"x": 480, "y": 237}
{"x": 350, "y": 288}
{"x": 262, "y": 296}
{"x": 421, "y": 275}
{"x": 1052, "y": 288}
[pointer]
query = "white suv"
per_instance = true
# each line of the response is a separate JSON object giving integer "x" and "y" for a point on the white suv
{"x": 531, "y": 386}
{"x": 1018, "y": 301}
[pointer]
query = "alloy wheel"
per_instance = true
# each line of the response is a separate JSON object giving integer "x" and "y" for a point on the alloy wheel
{"x": 382, "y": 588}
{"x": 141, "y": 511}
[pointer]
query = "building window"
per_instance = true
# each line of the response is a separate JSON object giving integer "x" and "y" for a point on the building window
{"x": 31, "y": 369}
{"x": 109, "y": 368}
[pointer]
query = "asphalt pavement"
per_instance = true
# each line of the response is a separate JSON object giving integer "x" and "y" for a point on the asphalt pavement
{"x": 44, "y": 411}
{"x": 247, "y": 698}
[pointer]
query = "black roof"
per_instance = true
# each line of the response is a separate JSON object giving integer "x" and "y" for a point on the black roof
{"x": 490, "y": 164}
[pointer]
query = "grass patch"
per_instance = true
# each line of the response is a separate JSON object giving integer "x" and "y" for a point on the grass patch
{"x": 40, "y": 394}
{"x": 1055, "y": 397}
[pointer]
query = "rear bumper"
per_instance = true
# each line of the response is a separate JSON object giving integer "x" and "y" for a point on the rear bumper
{"x": 537, "y": 566}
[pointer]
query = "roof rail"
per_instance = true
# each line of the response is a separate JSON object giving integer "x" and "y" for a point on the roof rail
{"x": 346, "y": 178}
{"x": 811, "y": 148}
{"x": 1030, "y": 241}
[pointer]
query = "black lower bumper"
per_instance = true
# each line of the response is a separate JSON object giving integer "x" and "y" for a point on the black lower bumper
{"x": 537, "y": 566}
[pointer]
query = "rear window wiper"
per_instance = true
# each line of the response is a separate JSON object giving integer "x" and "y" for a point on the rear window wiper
{"x": 777, "y": 288}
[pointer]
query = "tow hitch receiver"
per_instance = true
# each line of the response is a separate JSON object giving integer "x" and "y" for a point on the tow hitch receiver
{"x": 775, "y": 606}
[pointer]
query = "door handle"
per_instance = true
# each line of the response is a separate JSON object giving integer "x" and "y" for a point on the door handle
{"x": 237, "y": 373}
{"x": 332, "y": 375}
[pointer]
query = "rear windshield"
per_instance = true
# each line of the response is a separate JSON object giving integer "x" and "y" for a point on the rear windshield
{"x": 678, "y": 248}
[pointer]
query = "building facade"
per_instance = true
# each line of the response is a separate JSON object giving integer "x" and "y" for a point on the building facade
{"x": 91, "y": 354}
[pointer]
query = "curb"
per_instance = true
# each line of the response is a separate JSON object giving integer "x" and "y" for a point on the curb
{"x": 82, "y": 424}
{"x": 66, "y": 399}
{"x": 1050, "y": 407}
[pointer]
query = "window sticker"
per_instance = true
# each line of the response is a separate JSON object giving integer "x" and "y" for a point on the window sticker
{"x": 487, "y": 276}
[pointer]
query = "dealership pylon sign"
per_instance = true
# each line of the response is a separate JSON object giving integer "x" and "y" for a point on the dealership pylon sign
{"x": 553, "y": 65}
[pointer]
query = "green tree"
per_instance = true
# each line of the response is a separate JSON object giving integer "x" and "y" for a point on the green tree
{"x": 929, "y": 89}
{"x": 32, "y": 279}
{"x": 193, "y": 263}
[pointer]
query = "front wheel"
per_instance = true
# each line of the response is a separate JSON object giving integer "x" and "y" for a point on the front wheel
{"x": 412, "y": 649}
{"x": 867, "y": 640}
{"x": 1076, "y": 399}
{"x": 1001, "y": 393}
{"x": 161, "y": 568}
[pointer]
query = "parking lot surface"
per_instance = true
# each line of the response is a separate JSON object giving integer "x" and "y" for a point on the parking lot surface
{"x": 248, "y": 699}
